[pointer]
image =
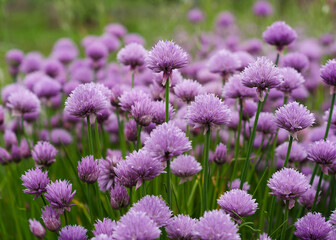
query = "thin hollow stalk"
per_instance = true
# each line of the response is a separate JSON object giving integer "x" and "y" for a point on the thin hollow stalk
{"x": 284, "y": 227}
{"x": 133, "y": 79}
{"x": 144, "y": 191}
{"x": 249, "y": 148}
{"x": 168, "y": 183}
{"x": 277, "y": 59}
{"x": 65, "y": 218}
{"x": 89, "y": 135}
{"x": 98, "y": 150}
{"x": 317, "y": 191}
{"x": 90, "y": 203}
{"x": 206, "y": 170}
{"x": 236, "y": 154}
{"x": 24, "y": 132}
{"x": 288, "y": 150}
{"x": 121, "y": 134}
{"x": 138, "y": 145}
{"x": 167, "y": 100}
{"x": 44, "y": 201}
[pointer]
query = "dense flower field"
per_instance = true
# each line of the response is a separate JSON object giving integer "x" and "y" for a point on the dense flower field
{"x": 210, "y": 136}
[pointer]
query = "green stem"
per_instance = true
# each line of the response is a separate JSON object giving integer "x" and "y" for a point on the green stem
{"x": 332, "y": 193}
{"x": 167, "y": 100}
{"x": 144, "y": 191}
{"x": 250, "y": 145}
{"x": 65, "y": 218}
{"x": 277, "y": 59}
{"x": 206, "y": 169}
{"x": 284, "y": 227}
{"x": 288, "y": 150}
{"x": 130, "y": 196}
{"x": 90, "y": 203}
{"x": 317, "y": 191}
{"x": 44, "y": 201}
{"x": 133, "y": 79}
{"x": 168, "y": 184}
{"x": 187, "y": 131}
{"x": 270, "y": 219}
{"x": 121, "y": 134}
{"x": 138, "y": 145}
{"x": 98, "y": 150}
{"x": 89, "y": 135}
{"x": 237, "y": 144}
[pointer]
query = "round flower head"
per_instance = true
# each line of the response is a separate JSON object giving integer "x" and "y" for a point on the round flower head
{"x": 291, "y": 80}
{"x": 14, "y": 57}
{"x": 280, "y": 35}
{"x": 44, "y": 154}
{"x": 225, "y": 19}
{"x": 47, "y": 87}
{"x": 312, "y": 226}
{"x": 328, "y": 73}
{"x": 235, "y": 89}
{"x": 116, "y": 29}
{"x": 35, "y": 181}
{"x": 32, "y": 62}
{"x": 294, "y": 117}
{"x": 185, "y": 166}
{"x": 134, "y": 38}
{"x": 332, "y": 234}
{"x": 86, "y": 100}
{"x": 262, "y": 8}
{"x": 220, "y": 155}
{"x": 187, "y": 90}
{"x": 236, "y": 183}
{"x": 208, "y": 111}
{"x": 245, "y": 59}
{"x": 195, "y": 15}
{"x": 261, "y": 74}
{"x": 288, "y": 184}
{"x": 136, "y": 225}
{"x": 155, "y": 208}
{"x": 107, "y": 175}
{"x": 296, "y": 60}
{"x": 59, "y": 195}
{"x": 51, "y": 219}
{"x": 307, "y": 199}
{"x": 266, "y": 123}
{"x": 129, "y": 98}
{"x": 53, "y": 68}
{"x": 297, "y": 153}
{"x": 159, "y": 112}
{"x": 224, "y": 63}
{"x": 238, "y": 203}
{"x": 60, "y": 136}
{"x": 107, "y": 227}
{"x": 5, "y": 157}
{"x": 181, "y": 227}
{"x": 72, "y": 232}
{"x": 23, "y": 101}
{"x": 111, "y": 42}
{"x": 118, "y": 196}
{"x": 166, "y": 56}
{"x": 323, "y": 153}
{"x": 96, "y": 51}
{"x": 138, "y": 167}
{"x": 142, "y": 111}
{"x": 36, "y": 228}
{"x": 215, "y": 225}
{"x": 132, "y": 55}
{"x": 264, "y": 236}
{"x": 88, "y": 169}
{"x": 167, "y": 141}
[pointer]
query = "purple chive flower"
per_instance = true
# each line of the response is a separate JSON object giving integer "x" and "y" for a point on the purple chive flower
{"x": 118, "y": 196}
{"x": 312, "y": 226}
{"x": 187, "y": 90}
{"x": 288, "y": 184}
{"x": 332, "y": 218}
{"x": 35, "y": 181}
{"x": 216, "y": 224}
{"x": 107, "y": 175}
{"x": 15, "y": 154}
{"x": 116, "y": 29}
{"x": 136, "y": 225}
{"x": 44, "y": 154}
{"x": 111, "y": 42}
{"x": 167, "y": 141}
{"x": 291, "y": 80}
{"x": 263, "y": 8}
{"x": 142, "y": 112}
{"x": 134, "y": 38}
{"x": 236, "y": 183}
{"x": 23, "y": 101}
{"x": 261, "y": 74}
{"x": 59, "y": 195}
{"x": 88, "y": 169}
{"x": 137, "y": 168}
{"x": 323, "y": 153}
{"x": 155, "y": 208}
{"x": 166, "y": 56}
{"x": 307, "y": 199}
{"x": 60, "y": 136}
{"x": 5, "y": 157}
{"x": 238, "y": 203}
{"x": 220, "y": 155}
{"x": 208, "y": 111}
{"x": 131, "y": 131}
{"x": 181, "y": 227}
{"x": 195, "y": 15}
{"x": 185, "y": 166}
{"x": 225, "y": 19}
{"x": 47, "y": 87}
{"x": 264, "y": 236}
{"x": 86, "y": 100}
{"x": 36, "y": 228}
{"x": 296, "y": 60}
{"x": 96, "y": 51}
{"x": 224, "y": 63}
{"x": 107, "y": 227}
{"x": 332, "y": 234}
{"x": 297, "y": 153}
{"x": 72, "y": 232}
{"x": 102, "y": 237}
{"x": 245, "y": 59}
{"x": 279, "y": 34}
{"x": 294, "y": 117}
{"x": 129, "y": 98}
{"x": 328, "y": 73}
{"x": 159, "y": 112}
{"x": 51, "y": 219}
{"x": 266, "y": 123}
{"x": 32, "y": 62}
{"x": 53, "y": 68}
{"x": 235, "y": 89}
{"x": 132, "y": 55}
{"x": 14, "y": 57}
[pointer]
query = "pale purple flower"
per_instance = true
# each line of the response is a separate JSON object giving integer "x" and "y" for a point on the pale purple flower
{"x": 307, "y": 199}
{"x": 131, "y": 131}
{"x": 235, "y": 89}
{"x": 44, "y": 154}
{"x": 35, "y": 181}
{"x": 159, "y": 112}
{"x": 185, "y": 166}
{"x": 297, "y": 154}
{"x": 323, "y": 153}
{"x": 208, "y": 111}
{"x": 5, "y": 157}
{"x": 132, "y": 55}
{"x": 235, "y": 184}
{"x": 279, "y": 34}
{"x": 288, "y": 184}
{"x": 107, "y": 227}
{"x": 32, "y": 62}
{"x": 263, "y": 8}
{"x": 296, "y": 60}
{"x": 224, "y": 62}
{"x": 328, "y": 73}
{"x": 60, "y": 196}
{"x": 129, "y": 98}
{"x": 187, "y": 90}
{"x": 291, "y": 80}
{"x": 53, "y": 68}
{"x": 111, "y": 42}
{"x": 167, "y": 141}
{"x": 47, "y": 87}
{"x": 215, "y": 225}
{"x": 312, "y": 226}
{"x": 96, "y": 51}
{"x": 181, "y": 227}
{"x": 142, "y": 111}
{"x": 118, "y": 196}
{"x": 60, "y": 136}
{"x": 23, "y": 101}
{"x": 195, "y": 15}
{"x": 51, "y": 219}
{"x": 225, "y": 19}
{"x": 72, "y": 232}
{"x": 136, "y": 225}
{"x": 14, "y": 57}
{"x": 134, "y": 38}
{"x": 36, "y": 228}
{"x": 155, "y": 208}
{"x": 332, "y": 234}
{"x": 88, "y": 169}
{"x": 116, "y": 29}
{"x": 107, "y": 174}
{"x": 220, "y": 155}
{"x": 266, "y": 123}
